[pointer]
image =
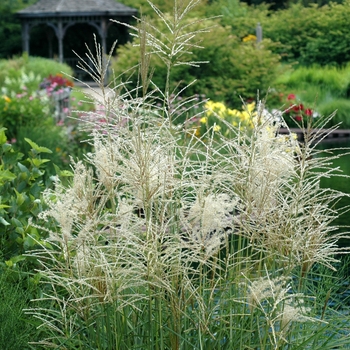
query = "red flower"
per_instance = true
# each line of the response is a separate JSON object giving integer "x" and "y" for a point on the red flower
{"x": 298, "y": 118}
{"x": 298, "y": 108}
{"x": 308, "y": 112}
{"x": 291, "y": 97}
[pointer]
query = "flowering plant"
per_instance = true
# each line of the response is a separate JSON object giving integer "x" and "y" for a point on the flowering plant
{"x": 58, "y": 89}
{"x": 22, "y": 110}
{"x": 217, "y": 117}
{"x": 55, "y": 83}
{"x": 297, "y": 112}
{"x": 249, "y": 37}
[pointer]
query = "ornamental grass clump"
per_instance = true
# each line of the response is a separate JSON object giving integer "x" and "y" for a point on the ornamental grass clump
{"x": 203, "y": 242}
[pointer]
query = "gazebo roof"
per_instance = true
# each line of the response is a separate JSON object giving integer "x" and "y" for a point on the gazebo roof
{"x": 70, "y": 8}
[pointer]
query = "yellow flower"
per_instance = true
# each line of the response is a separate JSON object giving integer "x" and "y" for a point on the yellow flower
{"x": 216, "y": 128}
{"x": 245, "y": 116}
{"x": 249, "y": 107}
{"x": 217, "y": 108}
{"x": 220, "y": 106}
{"x": 6, "y": 98}
{"x": 249, "y": 37}
{"x": 209, "y": 105}
{"x": 203, "y": 120}
{"x": 233, "y": 112}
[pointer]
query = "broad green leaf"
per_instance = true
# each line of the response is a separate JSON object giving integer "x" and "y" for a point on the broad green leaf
{"x": 37, "y": 162}
{"x": 63, "y": 173}
{"x": 6, "y": 175}
{"x": 37, "y": 148}
{"x": 3, "y": 221}
{"x": 21, "y": 197}
{"x": 66, "y": 173}
{"x": 16, "y": 222}
{"x": 14, "y": 260}
{"x": 3, "y": 137}
{"x": 23, "y": 168}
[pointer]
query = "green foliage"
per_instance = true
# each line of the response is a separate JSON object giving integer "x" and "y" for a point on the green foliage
{"x": 236, "y": 69}
{"x": 22, "y": 110}
{"x": 26, "y": 114}
{"x": 10, "y": 27}
{"x": 242, "y": 19}
{"x": 310, "y": 35}
{"x": 212, "y": 241}
{"x": 21, "y": 184}
{"x": 17, "y": 328}
{"x": 27, "y": 111}
{"x": 322, "y": 89}
{"x": 329, "y": 80}
{"x": 275, "y": 5}
{"x": 38, "y": 67}
{"x": 340, "y": 106}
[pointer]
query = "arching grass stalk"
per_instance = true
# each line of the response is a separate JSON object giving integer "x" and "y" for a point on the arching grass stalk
{"x": 199, "y": 242}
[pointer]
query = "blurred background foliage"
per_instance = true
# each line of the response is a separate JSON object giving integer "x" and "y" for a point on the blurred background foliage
{"x": 303, "y": 40}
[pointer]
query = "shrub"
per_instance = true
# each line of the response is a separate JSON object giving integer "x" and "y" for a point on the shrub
{"x": 38, "y": 67}
{"x": 29, "y": 108}
{"x": 242, "y": 19}
{"x": 21, "y": 184}
{"x": 306, "y": 38}
{"x": 322, "y": 89}
{"x": 328, "y": 80}
{"x": 237, "y": 69}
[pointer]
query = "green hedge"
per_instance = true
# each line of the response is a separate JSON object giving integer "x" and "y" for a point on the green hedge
{"x": 38, "y": 66}
{"x": 310, "y": 35}
{"x": 236, "y": 69}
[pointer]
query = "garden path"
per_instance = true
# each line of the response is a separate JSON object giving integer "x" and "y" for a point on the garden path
{"x": 94, "y": 90}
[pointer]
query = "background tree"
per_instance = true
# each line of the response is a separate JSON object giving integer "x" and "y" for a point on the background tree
{"x": 277, "y": 5}
{"x": 10, "y": 27}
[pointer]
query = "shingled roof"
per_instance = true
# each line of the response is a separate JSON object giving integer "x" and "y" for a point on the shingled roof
{"x": 68, "y": 8}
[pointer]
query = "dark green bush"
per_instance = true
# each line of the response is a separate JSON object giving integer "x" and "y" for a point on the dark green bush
{"x": 37, "y": 67}
{"x": 10, "y": 27}
{"x": 21, "y": 185}
{"x": 310, "y": 35}
{"x": 236, "y": 69}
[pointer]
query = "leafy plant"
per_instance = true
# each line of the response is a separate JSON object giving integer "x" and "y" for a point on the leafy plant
{"x": 305, "y": 39}
{"x": 237, "y": 69}
{"x": 21, "y": 184}
{"x": 28, "y": 112}
{"x": 39, "y": 67}
{"x": 321, "y": 89}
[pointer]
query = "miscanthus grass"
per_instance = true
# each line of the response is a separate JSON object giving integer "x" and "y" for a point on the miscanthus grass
{"x": 162, "y": 241}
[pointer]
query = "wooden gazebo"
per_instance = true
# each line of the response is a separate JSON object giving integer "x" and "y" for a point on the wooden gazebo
{"x": 63, "y": 14}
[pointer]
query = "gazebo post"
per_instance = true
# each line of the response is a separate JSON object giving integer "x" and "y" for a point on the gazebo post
{"x": 60, "y": 36}
{"x": 25, "y": 37}
{"x": 50, "y": 36}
